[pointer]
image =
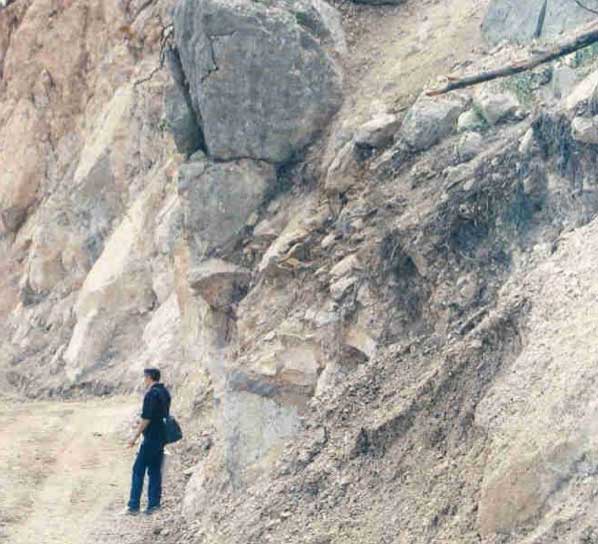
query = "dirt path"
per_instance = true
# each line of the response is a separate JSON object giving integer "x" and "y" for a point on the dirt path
{"x": 64, "y": 465}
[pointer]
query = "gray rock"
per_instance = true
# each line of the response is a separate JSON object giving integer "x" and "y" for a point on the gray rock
{"x": 339, "y": 288}
{"x": 470, "y": 120}
{"x": 495, "y": 107}
{"x": 321, "y": 18}
{"x": 261, "y": 77}
{"x": 521, "y": 22}
{"x": 585, "y": 130}
{"x": 430, "y": 120}
{"x": 342, "y": 173}
{"x": 378, "y": 132}
{"x": 564, "y": 79}
{"x": 181, "y": 121}
{"x": 253, "y": 425}
{"x": 585, "y": 94}
{"x": 470, "y": 146}
{"x": 219, "y": 283}
{"x": 219, "y": 198}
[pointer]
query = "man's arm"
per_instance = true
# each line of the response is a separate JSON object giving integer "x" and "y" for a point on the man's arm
{"x": 143, "y": 423}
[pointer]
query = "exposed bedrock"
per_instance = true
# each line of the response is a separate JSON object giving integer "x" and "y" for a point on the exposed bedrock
{"x": 261, "y": 77}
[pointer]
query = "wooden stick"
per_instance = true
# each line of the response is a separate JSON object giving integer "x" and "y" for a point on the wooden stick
{"x": 583, "y": 39}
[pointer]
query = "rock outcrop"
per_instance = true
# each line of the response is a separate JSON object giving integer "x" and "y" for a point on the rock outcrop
{"x": 525, "y": 21}
{"x": 384, "y": 320}
{"x": 261, "y": 76}
{"x": 218, "y": 199}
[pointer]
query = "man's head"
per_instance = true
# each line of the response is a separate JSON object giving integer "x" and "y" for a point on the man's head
{"x": 151, "y": 376}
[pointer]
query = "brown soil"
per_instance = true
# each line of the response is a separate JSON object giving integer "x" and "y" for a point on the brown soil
{"x": 64, "y": 464}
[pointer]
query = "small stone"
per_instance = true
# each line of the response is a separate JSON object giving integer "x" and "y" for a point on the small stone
{"x": 527, "y": 142}
{"x": 345, "y": 266}
{"x": 378, "y": 132}
{"x": 430, "y": 120}
{"x": 339, "y": 288}
{"x": 470, "y": 120}
{"x": 496, "y": 107}
{"x": 328, "y": 240}
{"x": 585, "y": 130}
{"x": 341, "y": 175}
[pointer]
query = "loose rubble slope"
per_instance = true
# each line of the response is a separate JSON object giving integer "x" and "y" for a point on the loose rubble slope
{"x": 377, "y": 304}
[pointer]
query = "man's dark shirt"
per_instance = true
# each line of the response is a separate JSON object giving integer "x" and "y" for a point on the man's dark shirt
{"x": 156, "y": 406}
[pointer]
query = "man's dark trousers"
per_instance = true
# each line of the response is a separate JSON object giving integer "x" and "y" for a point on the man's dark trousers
{"x": 149, "y": 457}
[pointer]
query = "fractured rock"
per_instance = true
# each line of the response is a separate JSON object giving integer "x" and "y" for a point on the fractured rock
{"x": 253, "y": 427}
{"x": 359, "y": 339}
{"x": 260, "y": 76}
{"x": 181, "y": 121}
{"x": 219, "y": 283}
{"x": 219, "y": 198}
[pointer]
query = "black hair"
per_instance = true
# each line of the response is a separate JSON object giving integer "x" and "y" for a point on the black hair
{"x": 153, "y": 373}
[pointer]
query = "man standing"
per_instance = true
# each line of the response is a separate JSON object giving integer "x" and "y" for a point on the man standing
{"x": 156, "y": 406}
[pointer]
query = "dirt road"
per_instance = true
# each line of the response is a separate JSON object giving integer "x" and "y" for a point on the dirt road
{"x": 64, "y": 468}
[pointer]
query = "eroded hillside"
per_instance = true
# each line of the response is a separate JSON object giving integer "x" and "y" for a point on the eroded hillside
{"x": 377, "y": 304}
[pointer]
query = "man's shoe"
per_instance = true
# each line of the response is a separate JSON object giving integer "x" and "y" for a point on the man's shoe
{"x": 151, "y": 510}
{"x": 130, "y": 511}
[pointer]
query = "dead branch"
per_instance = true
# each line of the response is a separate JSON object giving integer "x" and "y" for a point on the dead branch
{"x": 560, "y": 49}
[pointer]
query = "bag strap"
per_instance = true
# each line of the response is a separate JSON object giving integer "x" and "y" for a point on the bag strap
{"x": 162, "y": 398}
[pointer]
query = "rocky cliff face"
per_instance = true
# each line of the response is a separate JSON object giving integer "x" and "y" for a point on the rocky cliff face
{"x": 380, "y": 305}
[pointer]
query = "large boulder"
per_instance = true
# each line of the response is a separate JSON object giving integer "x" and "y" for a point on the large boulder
{"x": 522, "y": 22}
{"x": 218, "y": 199}
{"x": 261, "y": 76}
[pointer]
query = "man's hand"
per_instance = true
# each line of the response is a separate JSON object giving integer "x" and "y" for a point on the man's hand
{"x": 142, "y": 426}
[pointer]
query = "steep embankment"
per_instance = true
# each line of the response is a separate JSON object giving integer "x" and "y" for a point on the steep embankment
{"x": 373, "y": 302}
